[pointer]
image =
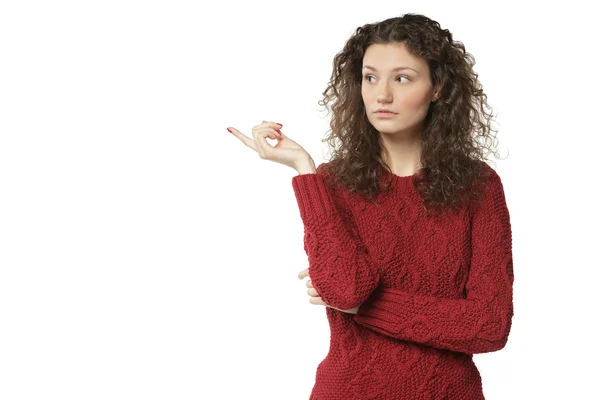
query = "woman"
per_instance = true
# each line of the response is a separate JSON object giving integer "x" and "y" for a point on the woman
{"x": 407, "y": 231}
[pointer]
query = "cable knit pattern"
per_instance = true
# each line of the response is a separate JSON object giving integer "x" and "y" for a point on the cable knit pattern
{"x": 432, "y": 291}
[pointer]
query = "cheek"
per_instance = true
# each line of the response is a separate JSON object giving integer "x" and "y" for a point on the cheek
{"x": 414, "y": 101}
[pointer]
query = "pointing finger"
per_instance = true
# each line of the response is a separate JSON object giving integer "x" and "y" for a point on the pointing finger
{"x": 245, "y": 139}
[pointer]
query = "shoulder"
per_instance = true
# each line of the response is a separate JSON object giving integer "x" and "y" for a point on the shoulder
{"x": 338, "y": 191}
{"x": 323, "y": 168}
{"x": 488, "y": 171}
{"x": 489, "y": 178}
{"x": 488, "y": 188}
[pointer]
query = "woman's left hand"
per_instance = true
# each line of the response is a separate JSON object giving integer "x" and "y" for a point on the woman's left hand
{"x": 314, "y": 296}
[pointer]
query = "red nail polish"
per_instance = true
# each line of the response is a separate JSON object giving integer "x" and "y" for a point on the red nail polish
{"x": 229, "y": 130}
{"x": 278, "y": 123}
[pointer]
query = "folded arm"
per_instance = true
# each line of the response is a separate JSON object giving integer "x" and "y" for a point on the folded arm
{"x": 480, "y": 322}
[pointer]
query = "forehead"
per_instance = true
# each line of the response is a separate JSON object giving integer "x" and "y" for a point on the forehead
{"x": 387, "y": 57}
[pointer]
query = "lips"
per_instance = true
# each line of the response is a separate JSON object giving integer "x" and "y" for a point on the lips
{"x": 385, "y": 115}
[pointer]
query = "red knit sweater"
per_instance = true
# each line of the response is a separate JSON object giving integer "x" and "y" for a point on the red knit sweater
{"x": 432, "y": 291}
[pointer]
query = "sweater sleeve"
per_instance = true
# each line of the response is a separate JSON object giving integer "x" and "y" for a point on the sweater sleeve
{"x": 480, "y": 322}
{"x": 340, "y": 268}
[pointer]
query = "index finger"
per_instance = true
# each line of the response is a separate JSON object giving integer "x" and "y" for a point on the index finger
{"x": 245, "y": 139}
{"x": 303, "y": 274}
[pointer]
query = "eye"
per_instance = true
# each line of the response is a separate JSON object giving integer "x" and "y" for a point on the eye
{"x": 401, "y": 76}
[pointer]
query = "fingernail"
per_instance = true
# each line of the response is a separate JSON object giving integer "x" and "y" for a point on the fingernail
{"x": 229, "y": 130}
{"x": 278, "y": 123}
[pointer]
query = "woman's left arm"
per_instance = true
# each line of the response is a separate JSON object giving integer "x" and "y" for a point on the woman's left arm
{"x": 479, "y": 323}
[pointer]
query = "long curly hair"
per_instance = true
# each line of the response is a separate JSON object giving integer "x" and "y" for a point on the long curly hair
{"x": 457, "y": 126}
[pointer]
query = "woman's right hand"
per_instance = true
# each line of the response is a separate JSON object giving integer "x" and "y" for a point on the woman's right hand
{"x": 286, "y": 151}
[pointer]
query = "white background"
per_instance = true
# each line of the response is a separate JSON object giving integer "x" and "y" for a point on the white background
{"x": 146, "y": 253}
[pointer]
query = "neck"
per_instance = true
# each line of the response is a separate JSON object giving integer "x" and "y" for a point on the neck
{"x": 402, "y": 154}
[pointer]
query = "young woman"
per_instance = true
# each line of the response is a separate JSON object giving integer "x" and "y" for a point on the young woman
{"x": 407, "y": 231}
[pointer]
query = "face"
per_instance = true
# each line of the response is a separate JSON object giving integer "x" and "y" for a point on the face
{"x": 406, "y": 92}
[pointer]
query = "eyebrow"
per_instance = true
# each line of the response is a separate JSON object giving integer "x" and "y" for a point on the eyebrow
{"x": 395, "y": 69}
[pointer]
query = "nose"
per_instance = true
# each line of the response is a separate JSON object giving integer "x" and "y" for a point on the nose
{"x": 383, "y": 94}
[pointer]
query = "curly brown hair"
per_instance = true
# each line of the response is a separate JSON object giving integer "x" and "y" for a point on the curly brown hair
{"x": 457, "y": 126}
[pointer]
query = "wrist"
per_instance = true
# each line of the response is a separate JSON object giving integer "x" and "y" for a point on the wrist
{"x": 306, "y": 166}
